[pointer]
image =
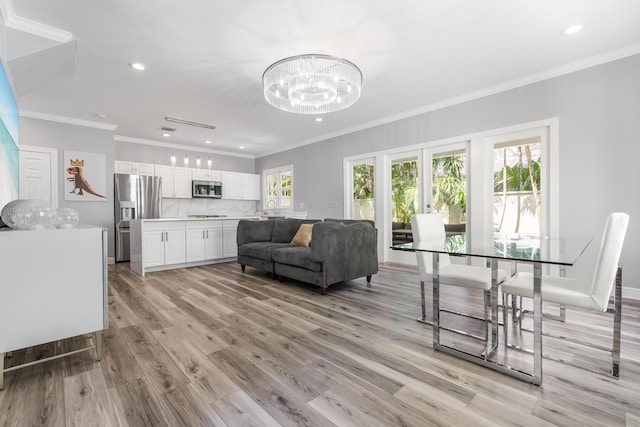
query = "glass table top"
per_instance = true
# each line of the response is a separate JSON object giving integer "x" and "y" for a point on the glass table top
{"x": 562, "y": 250}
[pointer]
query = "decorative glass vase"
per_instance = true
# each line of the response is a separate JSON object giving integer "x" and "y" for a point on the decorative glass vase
{"x": 29, "y": 214}
{"x": 36, "y": 215}
{"x": 67, "y": 218}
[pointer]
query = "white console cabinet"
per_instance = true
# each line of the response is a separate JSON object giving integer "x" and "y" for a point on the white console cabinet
{"x": 53, "y": 285}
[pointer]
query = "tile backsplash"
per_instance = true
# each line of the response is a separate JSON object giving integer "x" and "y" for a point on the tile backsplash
{"x": 181, "y": 208}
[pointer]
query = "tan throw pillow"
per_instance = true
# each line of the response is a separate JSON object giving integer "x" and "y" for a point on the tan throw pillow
{"x": 303, "y": 235}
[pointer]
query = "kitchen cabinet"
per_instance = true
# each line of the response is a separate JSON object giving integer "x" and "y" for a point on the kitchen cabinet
{"x": 206, "y": 175}
{"x": 240, "y": 186}
{"x": 229, "y": 238}
{"x": 251, "y": 186}
{"x": 231, "y": 185}
{"x": 204, "y": 240}
{"x": 163, "y": 243}
{"x": 176, "y": 181}
{"x": 133, "y": 168}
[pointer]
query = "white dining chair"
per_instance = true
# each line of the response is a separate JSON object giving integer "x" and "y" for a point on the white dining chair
{"x": 592, "y": 295}
{"x": 430, "y": 226}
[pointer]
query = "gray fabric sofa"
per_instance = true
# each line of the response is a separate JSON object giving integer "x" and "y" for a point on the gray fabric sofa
{"x": 340, "y": 250}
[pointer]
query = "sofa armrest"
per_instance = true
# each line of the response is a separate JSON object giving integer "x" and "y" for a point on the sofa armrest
{"x": 254, "y": 231}
{"x": 347, "y": 251}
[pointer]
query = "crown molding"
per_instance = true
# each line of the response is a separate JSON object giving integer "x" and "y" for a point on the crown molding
{"x": 571, "y": 67}
{"x": 163, "y": 144}
{"x": 19, "y": 23}
{"x": 67, "y": 120}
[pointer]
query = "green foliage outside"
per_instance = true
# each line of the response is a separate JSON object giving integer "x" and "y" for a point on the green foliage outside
{"x": 404, "y": 189}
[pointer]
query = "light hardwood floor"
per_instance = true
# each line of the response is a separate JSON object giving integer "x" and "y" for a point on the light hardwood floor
{"x": 213, "y": 346}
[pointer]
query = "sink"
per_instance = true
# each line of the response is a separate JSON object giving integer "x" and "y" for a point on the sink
{"x": 275, "y": 217}
{"x": 207, "y": 216}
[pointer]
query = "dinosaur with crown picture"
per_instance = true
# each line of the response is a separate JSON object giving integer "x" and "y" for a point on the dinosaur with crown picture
{"x": 79, "y": 181}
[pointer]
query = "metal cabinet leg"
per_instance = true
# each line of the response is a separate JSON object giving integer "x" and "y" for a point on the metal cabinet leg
{"x": 98, "y": 339}
{"x": 1, "y": 371}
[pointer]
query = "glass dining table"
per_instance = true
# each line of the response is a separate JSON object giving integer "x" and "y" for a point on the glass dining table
{"x": 538, "y": 251}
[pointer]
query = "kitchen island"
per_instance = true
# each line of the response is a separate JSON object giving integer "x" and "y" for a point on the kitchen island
{"x": 169, "y": 243}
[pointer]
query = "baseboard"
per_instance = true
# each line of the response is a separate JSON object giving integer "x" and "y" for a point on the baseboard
{"x": 111, "y": 260}
{"x": 633, "y": 293}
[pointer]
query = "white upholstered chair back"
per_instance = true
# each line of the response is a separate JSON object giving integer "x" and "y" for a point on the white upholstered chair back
{"x": 428, "y": 226}
{"x": 608, "y": 258}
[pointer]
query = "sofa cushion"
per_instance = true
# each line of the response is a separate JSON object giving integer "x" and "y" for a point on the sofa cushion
{"x": 285, "y": 229}
{"x": 350, "y": 221}
{"x": 298, "y": 256}
{"x": 303, "y": 236}
{"x": 260, "y": 250}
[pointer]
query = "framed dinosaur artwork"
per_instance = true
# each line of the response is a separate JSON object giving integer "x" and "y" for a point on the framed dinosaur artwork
{"x": 85, "y": 177}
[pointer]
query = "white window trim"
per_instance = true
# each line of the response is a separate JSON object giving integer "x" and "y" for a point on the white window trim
{"x": 265, "y": 189}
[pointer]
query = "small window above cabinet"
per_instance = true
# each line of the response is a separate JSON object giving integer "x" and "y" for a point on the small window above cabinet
{"x": 133, "y": 168}
{"x": 206, "y": 175}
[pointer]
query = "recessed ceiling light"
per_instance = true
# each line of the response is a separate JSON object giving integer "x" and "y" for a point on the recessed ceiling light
{"x": 572, "y": 29}
{"x": 318, "y": 119}
{"x": 138, "y": 66}
{"x": 208, "y": 142}
{"x": 241, "y": 147}
{"x": 166, "y": 135}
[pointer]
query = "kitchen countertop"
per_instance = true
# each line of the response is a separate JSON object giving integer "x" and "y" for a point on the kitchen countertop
{"x": 210, "y": 218}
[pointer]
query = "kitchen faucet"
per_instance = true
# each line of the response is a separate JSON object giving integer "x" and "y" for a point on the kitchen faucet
{"x": 275, "y": 212}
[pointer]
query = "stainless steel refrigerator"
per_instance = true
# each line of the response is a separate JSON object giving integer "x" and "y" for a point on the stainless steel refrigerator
{"x": 136, "y": 197}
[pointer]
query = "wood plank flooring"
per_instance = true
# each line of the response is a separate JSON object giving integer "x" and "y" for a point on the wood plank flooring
{"x": 214, "y": 346}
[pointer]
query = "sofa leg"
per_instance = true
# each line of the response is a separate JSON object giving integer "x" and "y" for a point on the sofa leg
{"x": 323, "y": 291}
{"x": 242, "y": 266}
{"x": 280, "y": 278}
{"x": 369, "y": 280}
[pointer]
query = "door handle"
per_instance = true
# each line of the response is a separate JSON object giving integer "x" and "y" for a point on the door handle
{"x": 207, "y": 234}
{"x": 167, "y": 236}
{"x": 203, "y": 234}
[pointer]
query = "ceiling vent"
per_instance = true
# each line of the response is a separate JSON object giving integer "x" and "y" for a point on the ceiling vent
{"x": 167, "y": 129}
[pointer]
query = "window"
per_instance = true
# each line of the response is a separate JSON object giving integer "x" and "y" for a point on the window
{"x": 278, "y": 189}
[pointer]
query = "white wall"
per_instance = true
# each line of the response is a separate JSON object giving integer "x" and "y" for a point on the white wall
{"x": 61, "y": 136}
{"x": 598, "y": 110}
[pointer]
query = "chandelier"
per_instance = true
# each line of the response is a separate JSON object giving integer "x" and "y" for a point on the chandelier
{"x": 312, "y": 84}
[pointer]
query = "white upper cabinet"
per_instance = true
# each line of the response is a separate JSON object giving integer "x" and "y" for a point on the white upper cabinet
{"x": 133, "y": 168}
{"x": 206, "y": 175}
{"x": 231, "y": 185}
{"x": 240, "y": 186}
{"x": 250, "y": 186}
{"x": 176, "y": 181}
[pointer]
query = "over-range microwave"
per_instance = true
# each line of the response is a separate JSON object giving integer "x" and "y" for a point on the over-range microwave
{"x": 210, "y": 189}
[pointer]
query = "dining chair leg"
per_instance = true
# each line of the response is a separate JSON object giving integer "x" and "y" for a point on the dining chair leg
{"x": 617, "y": 320}
{"x": 436, "y": 300}
{"x": 424, "y": 311}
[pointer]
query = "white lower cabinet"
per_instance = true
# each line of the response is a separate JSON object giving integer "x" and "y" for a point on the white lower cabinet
{"x": 204, "y": 240}
{"x": 229, "y": 238}
{"x": 163, "y": 243}
{"x": 166, "y": 244}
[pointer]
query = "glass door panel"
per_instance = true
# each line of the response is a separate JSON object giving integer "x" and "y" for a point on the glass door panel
{"x": 516, "y": 166}
{"x": 363, "y": 191}
{"x": 449, "y": 188}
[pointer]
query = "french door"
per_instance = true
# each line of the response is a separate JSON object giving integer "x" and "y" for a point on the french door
{"x": 428, "y": 180}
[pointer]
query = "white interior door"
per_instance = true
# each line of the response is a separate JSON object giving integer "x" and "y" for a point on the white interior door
{"x": 37, "y": 174}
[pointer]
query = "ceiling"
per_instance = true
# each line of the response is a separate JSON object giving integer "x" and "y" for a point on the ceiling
{"x": 205, "y": 61}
